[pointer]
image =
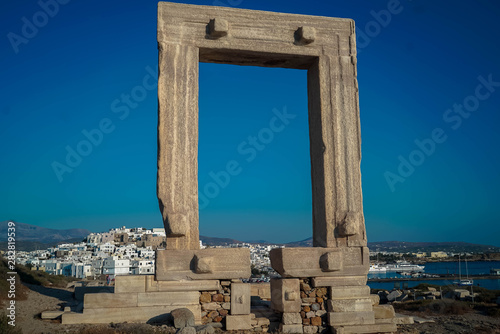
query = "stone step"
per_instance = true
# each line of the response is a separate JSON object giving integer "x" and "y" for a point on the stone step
{"x": 186, "y": 285}
{"x": 120, "y": 300}
{"x": 399, "y": 319}
{"x": 384, "y": 312}
{"x": 125, "y": 314}
{"x": 366, "y": 329}
{"x": 238, "y": 322}
{"x": 351, "y": 318}
{"x": 50, "y": 315}
{"x": 402, "y": 319}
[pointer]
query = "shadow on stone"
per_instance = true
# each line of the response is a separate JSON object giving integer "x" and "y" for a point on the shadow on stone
{"x": 162, "y": 319}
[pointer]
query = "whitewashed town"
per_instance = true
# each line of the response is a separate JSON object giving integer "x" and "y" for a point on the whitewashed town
{"x": 122, "y": 251}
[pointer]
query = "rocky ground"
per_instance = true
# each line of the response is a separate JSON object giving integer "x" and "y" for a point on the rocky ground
{"x": 467, "y": 323}
{"x": 42, "y": 298}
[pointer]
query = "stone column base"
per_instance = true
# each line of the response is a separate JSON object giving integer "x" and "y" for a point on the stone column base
{"x": 322, "y": 305}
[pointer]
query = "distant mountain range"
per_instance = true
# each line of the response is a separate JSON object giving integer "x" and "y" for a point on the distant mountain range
{"x": 303, "y": 243}
{"x": 213, "y": 241}
{"x": 30, "y": 237}
{"x": 413, "y": 247}
{"x": 382, "y": 246}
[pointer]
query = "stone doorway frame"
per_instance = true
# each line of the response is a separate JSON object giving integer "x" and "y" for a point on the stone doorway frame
{"x": 324, "y": 46}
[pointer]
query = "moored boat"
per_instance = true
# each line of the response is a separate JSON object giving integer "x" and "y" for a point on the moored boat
{"x": 376, "y": 268}
{"x": 404, "y": 266}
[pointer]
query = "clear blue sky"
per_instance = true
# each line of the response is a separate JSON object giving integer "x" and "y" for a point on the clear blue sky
{"x": 68, "y": 73}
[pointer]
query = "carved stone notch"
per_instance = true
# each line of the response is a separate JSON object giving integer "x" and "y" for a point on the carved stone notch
{"x": 305, "y": 35}
{"x": 218, "y": 28}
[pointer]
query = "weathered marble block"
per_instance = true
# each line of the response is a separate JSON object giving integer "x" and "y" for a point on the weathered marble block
{"x": 238, "y": 322}
{"x": 285, "y": 295}
{"x": 225, "y": 263}
{"x": 320, "y": 262}
{"x": 240, "y": 298}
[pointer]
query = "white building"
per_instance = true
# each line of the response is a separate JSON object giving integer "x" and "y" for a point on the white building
{"x": 106, "y": 248}
{"x": 81, "y": 270}
{"x": 159, "y": 231}
{"x": 127, "y": 251}
{"x": 97, "y": 265}
{"x": 54, "y": 267}
{"x": 143, "y": 267}
{"x": 114, "y": 266}
{"x": 146, "y": 252}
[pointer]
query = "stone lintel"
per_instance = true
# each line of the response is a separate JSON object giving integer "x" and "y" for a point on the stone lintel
{"x": 232, "y": 36}
{"x": 319, "y": 262}
{"x": 225, "y": 263}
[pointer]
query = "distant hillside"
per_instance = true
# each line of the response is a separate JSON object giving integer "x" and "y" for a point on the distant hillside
{"x": 260, "y": 242}
{"x": 303, "y": 243}
{"x": 414, "y": 247}
{"x": 213, "y": 241}
{"x": 38, "y": 234}
{"x": 451, "y": 247}
{"x": 29, "y": 246}
{"x": 30, "y": 237}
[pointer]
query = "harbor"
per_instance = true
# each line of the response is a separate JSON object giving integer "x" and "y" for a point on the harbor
{"x": 480, "y": 273}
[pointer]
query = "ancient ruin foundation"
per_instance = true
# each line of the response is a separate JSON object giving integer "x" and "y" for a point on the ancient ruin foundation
{"x": 321, "y": 287}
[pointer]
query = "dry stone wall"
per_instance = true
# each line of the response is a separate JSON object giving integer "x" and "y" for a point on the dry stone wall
{"x": 216, "y": 305}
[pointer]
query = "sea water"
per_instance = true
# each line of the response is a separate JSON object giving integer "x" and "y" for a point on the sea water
{"x": 452, "y": 268}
